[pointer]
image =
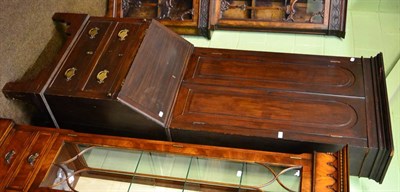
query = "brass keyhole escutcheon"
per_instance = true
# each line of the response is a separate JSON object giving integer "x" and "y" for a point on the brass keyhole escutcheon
{"x": 123, "y": 34}
{"x": 69, "y": 73}
{"x": 93, "y": 32}
{"x": 101, "y": 76}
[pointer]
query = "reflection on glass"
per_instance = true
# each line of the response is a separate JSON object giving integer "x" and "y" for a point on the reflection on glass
{"x": 81, "y": 167}
{"x": 299, "y": 11}
{"x": 159, "y": 9}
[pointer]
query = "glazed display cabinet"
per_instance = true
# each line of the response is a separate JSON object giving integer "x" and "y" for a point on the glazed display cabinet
{"x": 43, "y": 159}
{"x": 186, "y": 17}
{"x": 301, "y": 16}
{"x": 135, "y": 78}
{"x": 197, "y": 17}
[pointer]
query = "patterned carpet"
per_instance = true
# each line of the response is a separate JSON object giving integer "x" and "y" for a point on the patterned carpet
{"x": 28, "y": 40}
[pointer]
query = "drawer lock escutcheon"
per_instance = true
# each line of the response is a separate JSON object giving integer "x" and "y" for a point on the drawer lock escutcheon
{"x": 93, "y": 32}
{"x": 69, "y": 73}
{"x": 101, "y": 76}
{"x": 123, "y": 34}
{"x": 9, "y": 156}
{"x": 32, "y": 158}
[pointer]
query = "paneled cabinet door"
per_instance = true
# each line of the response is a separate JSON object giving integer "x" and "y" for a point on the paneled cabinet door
{"x": 281, "y": 96}
{"x": 286, "y": 102}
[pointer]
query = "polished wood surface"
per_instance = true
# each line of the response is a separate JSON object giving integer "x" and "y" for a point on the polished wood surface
{"x": 319, "y": 170}
{"x": 156, "y": 73}
{"x": 285, "y": 102}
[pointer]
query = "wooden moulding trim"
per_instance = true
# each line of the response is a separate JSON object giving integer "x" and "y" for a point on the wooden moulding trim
{"x": 383, "y": 115}
{"x": 372, "y": 130}
{"x": 337, "y": 18}
{"x": 343, "y": 171}
{"x": 6, "y": 126}
{"x": 204, "y": 18}
{"x": 112, "y": 7}
{"x": 379, "y": 127}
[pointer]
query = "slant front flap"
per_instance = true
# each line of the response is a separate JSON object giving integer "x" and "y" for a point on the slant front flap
{"x": 153, "y": 80}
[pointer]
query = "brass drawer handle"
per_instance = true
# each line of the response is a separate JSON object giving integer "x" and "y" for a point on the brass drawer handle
{"x": 93, "y": 32}
{"x": 9, "y": 156}
{"x": 69, "y": 73}
{"x": 32, "y": 158}
{"x": 101, "y": 76}
{"x": 123, "y": 34}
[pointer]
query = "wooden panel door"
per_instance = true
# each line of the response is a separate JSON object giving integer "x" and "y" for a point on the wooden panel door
{"x": 273, "y": 95}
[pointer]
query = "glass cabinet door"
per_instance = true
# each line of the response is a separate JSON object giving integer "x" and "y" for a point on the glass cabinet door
{"x": 87, "y": 168}
{"x": 159, "y": 9}
{"x": 297, "y": 11}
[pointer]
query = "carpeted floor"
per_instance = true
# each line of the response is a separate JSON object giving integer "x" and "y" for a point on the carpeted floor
{"x": 28, "y": 38}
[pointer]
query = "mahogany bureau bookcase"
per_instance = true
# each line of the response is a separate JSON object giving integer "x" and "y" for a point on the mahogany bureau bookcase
{"x": 43, "y": 159}
{"x": 135, "y": 78}
{"x": 198, "y": 17}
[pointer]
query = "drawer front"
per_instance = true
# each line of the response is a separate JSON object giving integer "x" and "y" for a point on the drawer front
{"x": 12, "y": 151}
{"x": 30, "y": 162}
{"x": 117, "y": 57}
{"x": 80, "y": 60}
{"x": 265, "y": 114}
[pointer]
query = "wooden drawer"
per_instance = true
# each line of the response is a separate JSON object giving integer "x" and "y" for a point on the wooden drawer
{"x": 114, "y": 61}
{"x": 11, "y": 152}
{"x": 30, "y": 162}
{"x": 81, "y": 59}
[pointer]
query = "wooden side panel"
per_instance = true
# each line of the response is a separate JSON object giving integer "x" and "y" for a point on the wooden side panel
{"x": 152, "y": 82}
{"x": 99, "y": 116}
